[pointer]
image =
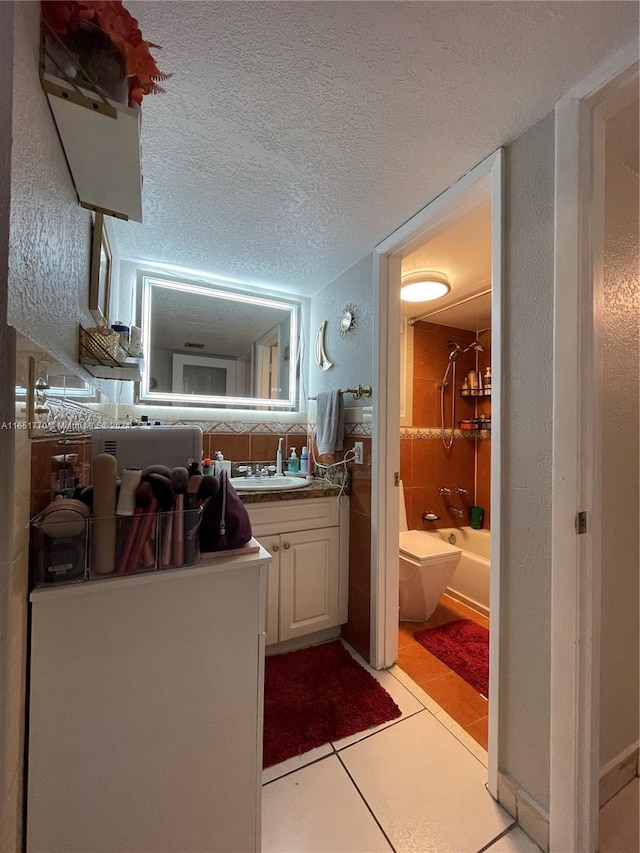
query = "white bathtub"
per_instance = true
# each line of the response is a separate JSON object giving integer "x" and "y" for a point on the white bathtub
{"x": 470, "y": 582}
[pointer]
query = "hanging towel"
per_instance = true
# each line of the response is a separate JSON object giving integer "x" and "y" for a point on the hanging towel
{"x": 330, "y": 422}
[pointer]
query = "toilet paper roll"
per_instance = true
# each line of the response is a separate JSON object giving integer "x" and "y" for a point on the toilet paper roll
{"x": 105, "y": 469}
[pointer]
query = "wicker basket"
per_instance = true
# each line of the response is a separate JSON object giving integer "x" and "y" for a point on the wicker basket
{"x": 101, "y": 338}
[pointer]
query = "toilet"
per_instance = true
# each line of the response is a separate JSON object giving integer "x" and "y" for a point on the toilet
{"x": 427, "y": 564}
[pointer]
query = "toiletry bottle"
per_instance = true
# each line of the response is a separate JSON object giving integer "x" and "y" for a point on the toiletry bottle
{"x": 294, "y": 462}
{"x": 487, "y": 382}
{"x": 472, "y": 378}
{"x": 465, "y": 391}
{"x": 206, "y": 467}
{"x": 304, "y": 461}
{"x": 279, "y": 457}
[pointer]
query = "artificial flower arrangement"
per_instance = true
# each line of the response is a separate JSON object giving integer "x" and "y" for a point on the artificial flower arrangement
{"x": 69, "y": 19}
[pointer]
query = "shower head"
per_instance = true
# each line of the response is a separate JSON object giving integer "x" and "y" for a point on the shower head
{"x": 456, "y": 350}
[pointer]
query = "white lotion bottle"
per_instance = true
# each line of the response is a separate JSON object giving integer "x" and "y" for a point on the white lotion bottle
{"x": 304, "y": 461}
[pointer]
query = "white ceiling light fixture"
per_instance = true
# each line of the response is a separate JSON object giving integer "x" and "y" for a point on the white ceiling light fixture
{"x": 424, "y": 286}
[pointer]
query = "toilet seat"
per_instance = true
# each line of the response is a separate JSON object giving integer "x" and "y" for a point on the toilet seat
{"x": 423, "y": 549}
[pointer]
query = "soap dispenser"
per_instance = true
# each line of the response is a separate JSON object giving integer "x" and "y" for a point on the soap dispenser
{"x": 294, "y": 462}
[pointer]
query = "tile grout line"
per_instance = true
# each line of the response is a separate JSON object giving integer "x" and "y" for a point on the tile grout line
{"x": 386, "y": 726}
{"x": 370, "y": 810}
{"x": 302, "y": 767}
{"x": 504, "y": 832}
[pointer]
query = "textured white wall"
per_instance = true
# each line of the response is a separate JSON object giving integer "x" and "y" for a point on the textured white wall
{"x": 352, "y": 355}
{"x": 10, "y": 782}
{"x": 527, "y": 337}
{"x": 50, "y": 232}
{"x": 620, "y": 429}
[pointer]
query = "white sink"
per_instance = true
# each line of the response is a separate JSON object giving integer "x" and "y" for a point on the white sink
{"x": 268, "y": 484}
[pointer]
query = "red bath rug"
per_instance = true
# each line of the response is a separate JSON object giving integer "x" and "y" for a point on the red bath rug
{"x": 464, "y": 646}
{"x": 317, "y": 695}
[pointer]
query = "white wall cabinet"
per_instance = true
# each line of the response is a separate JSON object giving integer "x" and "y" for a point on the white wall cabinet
{"x": 101, "y": 142}
{"x": 145, "y": 722}
{"x": 308, "y": 576}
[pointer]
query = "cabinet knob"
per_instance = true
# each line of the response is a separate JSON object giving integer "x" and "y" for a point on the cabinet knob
{"x": 275, "y": 548}
{"x": 286, "y": 546}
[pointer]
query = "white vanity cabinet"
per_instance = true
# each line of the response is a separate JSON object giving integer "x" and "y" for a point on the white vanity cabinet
{"x": 308, "y": 576}
{"x": 145, "y": 719}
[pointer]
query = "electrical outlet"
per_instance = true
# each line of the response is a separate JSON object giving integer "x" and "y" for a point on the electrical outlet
{"x": 358, "y": 450}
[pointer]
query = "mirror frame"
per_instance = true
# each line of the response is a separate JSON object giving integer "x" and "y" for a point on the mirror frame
{"x": 147, "y": 396}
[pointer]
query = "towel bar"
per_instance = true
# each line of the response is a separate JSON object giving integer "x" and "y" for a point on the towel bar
{"x": 360, "y": 391}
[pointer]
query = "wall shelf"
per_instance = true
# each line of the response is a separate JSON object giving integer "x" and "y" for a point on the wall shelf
{"x": 100, "y": 363}
{"x": 101, "y": 141}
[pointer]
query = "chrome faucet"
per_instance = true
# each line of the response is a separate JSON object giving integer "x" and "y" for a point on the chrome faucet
{"x": 461, "y": 491}
{"x": 455, "y": 511}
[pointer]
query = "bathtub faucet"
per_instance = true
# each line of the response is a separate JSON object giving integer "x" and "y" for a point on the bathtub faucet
{"x": 455, "y": 511}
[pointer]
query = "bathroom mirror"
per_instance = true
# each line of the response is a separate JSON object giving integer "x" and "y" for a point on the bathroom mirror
{"x": 209, "y": 346}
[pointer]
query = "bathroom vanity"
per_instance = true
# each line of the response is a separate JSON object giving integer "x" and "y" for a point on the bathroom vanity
{"x": 307, "y": 534}
{"x": 145, "y": 720}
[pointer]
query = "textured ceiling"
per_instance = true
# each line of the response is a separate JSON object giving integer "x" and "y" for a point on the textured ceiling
{"x": 294, "y": 136}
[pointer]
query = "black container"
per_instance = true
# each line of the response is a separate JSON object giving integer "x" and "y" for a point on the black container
{"x": 58, "y": 558}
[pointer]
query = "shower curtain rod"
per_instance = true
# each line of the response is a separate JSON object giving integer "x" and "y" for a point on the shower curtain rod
{"x": 413, "y": 320}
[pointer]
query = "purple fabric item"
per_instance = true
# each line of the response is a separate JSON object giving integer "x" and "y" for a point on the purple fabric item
{"x": 225, "y": 520}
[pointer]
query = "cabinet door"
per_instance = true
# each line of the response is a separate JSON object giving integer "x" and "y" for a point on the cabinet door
{"x": 272, "y": 544}
{"x": 309, "y": 571}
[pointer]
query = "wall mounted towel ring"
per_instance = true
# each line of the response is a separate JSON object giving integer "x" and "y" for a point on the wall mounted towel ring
{"x": 322, "y": 360}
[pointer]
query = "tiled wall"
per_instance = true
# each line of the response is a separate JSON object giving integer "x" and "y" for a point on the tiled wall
{"x": 357, "y": 629}
{"x": 425, "y": 465}
{"x": 256, "y": 445}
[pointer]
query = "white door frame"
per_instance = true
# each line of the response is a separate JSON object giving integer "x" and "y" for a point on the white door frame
{"x": 485, "y": 178}
{"x": 575, "y": 570}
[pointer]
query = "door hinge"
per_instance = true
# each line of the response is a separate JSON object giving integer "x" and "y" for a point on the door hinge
{"x": 396, "y": 478}
{"x": 581, "y": 522}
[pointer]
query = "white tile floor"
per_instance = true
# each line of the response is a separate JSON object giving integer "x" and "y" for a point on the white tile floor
{"x": 375, "y": 792}
{"x": 414, "y": 785}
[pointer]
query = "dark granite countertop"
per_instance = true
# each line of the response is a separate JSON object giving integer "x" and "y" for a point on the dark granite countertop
{"x": 316, "y": 489}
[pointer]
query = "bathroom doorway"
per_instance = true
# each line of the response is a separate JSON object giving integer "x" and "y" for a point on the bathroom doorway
{"x": 445, "y": 469}
{"x": 398, "y": 254}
